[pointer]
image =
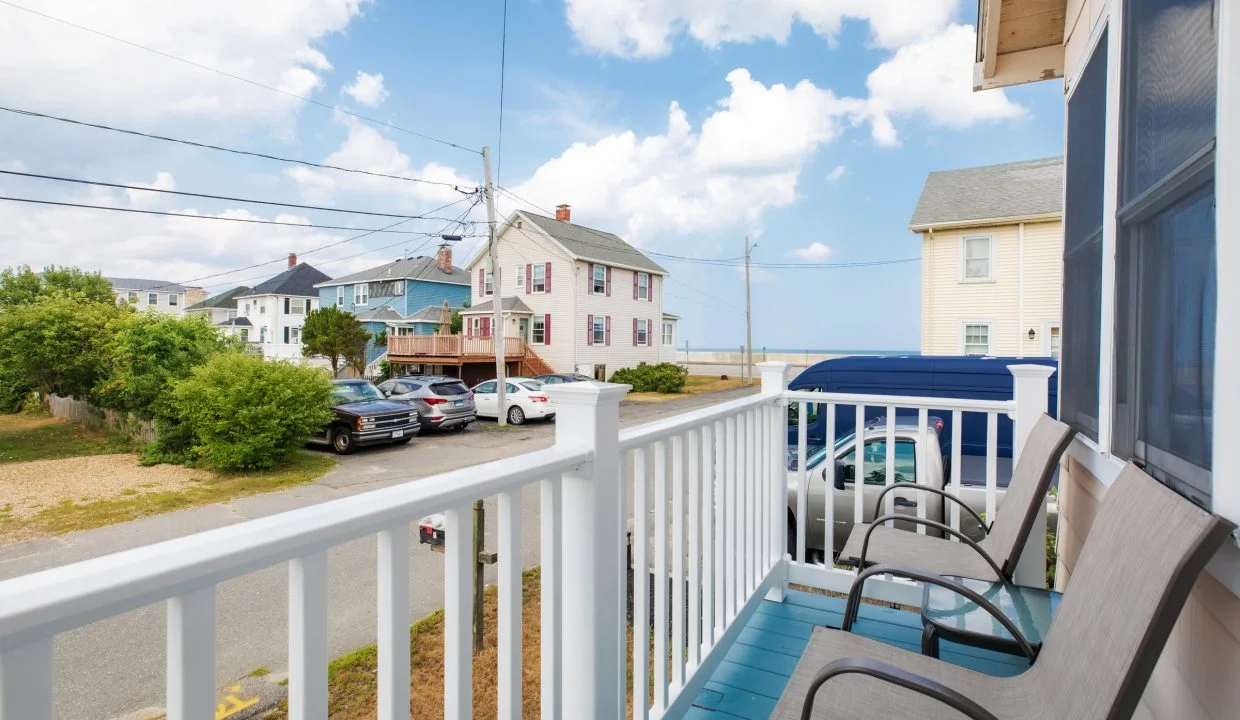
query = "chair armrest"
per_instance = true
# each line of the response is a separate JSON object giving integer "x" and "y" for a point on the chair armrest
{"x": 896, "y": 676}
{"x": 865, "y": 543}
{"x": 926, "y": 488}
{"x": 854, "y": 600}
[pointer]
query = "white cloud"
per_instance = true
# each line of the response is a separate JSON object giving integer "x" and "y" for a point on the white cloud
{"x": 368, "y": 89}
{"x": 58, "y": 68}
{"x": 836, "y": 173}
{"x": 163, "y": 181}
{"x": 647, "y": 28}
{"x": 933, "y": 78}
{"x": 814, "y": 252}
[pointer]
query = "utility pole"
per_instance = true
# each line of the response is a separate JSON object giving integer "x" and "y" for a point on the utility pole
{"x": 497, "y": 323}
{"x": 747, "y": 374}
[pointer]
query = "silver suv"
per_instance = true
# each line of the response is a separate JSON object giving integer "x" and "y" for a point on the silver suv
{"x": 442, "y": 402}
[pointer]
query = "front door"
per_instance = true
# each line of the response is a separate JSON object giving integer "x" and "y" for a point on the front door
{"x": 523, "y": 329}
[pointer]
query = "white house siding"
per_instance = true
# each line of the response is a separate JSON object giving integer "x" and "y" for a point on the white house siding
{"x": 623, "y": 310}
{"x": 667, "y": 353}
{"x": 274, "y": 320}
{"x": 949, "y": 302}
{"x": 161, "y": 304}
{"x": 1080, "y": 20}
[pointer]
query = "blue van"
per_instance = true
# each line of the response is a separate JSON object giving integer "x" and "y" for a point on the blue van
{"x": 977, "y": 378}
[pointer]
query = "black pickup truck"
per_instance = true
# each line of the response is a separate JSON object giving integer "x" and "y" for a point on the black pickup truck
{"x": 365, "y": 417}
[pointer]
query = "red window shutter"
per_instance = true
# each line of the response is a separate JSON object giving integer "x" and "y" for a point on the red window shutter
{"x": 607, "y": 330}
{"x": 486, "y": 327}
{"x": 482, "y": 281}
{"x": 635, "y": 331}
{"x": 608, "y": 282}
{"x": 649, "y": 333}
{"x": 589, "y": 329}
{"x": 547, "y": 284}
{"x": 634, "y": 286}
{"x": 547, "y": 329}
{"x": 590, "y": 280}
{"x": 650, "y": 289}
{"x": 529, "y": 279}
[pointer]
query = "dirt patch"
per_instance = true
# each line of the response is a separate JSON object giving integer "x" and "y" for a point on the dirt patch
{"x": 694, "y": 385}
{"x": 25, "y": 421}
{"x": 26, "y": 488}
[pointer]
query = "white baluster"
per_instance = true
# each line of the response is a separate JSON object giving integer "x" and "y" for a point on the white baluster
{"x": 890, "y": 471}
{"x": 957, "y": 425}
{"x": 678, "y": 561}
{"x": 641, "y": 586}
{"x": 191, "y": 656}
{"x": 393, "y": 628}
{"x": 732, "y": 540}
{"x": 307, "y": 637}
{"x": 509, "y": 615}
{"x": 923, "y": 450}
{"x": 660, "y": 577}
{"x": 1032, "y": 387}
{"x": 828, "y": 487}
{"x": 723, "y": 506}
{"x": 859, "y": 468}
{"x": 551, "y": 629}
{"x": 798, "y": 552}
{"x": 458, "y": 700}
{"x": 709, "y": 507}
{"x": 26, "y": 680}
{"x": 992, "y": 464}
{"x": 695, "y": 550}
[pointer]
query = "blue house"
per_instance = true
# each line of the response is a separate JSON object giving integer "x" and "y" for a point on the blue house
{"x": 403, "y": 297}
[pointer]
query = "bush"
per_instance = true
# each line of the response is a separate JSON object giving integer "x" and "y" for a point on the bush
{"x": 661, "y": 378}
{"x": 238, "y": 412}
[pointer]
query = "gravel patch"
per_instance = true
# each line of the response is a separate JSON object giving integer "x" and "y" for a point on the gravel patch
{"x": 27, "y": 487}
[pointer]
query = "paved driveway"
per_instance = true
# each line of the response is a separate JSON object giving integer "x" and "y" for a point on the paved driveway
{"x": 116, "y": 667}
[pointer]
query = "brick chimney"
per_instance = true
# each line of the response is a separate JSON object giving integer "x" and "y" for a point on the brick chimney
{"x": 563, "y": 213}
{"x": 444, "y": 258}
{"x": 292, "y": 259}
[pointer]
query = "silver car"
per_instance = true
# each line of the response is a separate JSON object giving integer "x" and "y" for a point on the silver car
{"x": 442, "y": 402}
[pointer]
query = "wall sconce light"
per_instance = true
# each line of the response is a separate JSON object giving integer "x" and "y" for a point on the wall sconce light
{"x": 1032, "y": 334}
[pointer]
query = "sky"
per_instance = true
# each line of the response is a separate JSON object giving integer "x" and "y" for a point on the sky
{"x": 684, "y": 126}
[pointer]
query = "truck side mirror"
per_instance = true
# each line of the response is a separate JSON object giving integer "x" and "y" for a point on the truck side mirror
{"x": 840, "y": 473}
{"x": 850, "y": 472}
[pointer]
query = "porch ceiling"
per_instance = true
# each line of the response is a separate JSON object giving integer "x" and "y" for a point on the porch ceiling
{"x": 1019, "y": 41}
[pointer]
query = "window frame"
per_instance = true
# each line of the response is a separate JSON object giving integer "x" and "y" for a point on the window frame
{"x": 598, "y": 280}
{"x": 488, "y": 283}
{"x": 1052, "y": 328}
{"x": 294, "y": 335}
{"x": 643, "y": 286}
{"x": 152, "y": 298}
{"x": 964, "y": 337}
{"x": 297, "y": 306}
{"x": 538, "y": 331}
{"x": 361, "y": 293}
{"x": 643, "y": 332}
{"x": 538, "y": 284}
{"x": 172, "y": 300}
{"x": 990, "y": 258}
{"x": 669, "y": 334}
{"x": 598, "y": 332}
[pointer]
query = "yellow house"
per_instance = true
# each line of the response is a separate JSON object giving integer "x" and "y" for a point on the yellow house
{"x": 1149, "y": 371}
{"x": 992, "y": 259}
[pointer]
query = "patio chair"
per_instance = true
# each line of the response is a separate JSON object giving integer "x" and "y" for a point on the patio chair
{"x": 1144, "y": 552}
{"x": 994, "y": 557}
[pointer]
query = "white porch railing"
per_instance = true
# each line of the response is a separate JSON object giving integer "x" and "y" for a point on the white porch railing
{"x": 706, "y": 496}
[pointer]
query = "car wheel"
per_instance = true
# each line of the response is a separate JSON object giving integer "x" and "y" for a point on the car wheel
{"x": 342, "y": 441}
{"x": 516, "y": 416}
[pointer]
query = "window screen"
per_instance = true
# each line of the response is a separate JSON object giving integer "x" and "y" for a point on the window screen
{"x": 1082, "y": 262}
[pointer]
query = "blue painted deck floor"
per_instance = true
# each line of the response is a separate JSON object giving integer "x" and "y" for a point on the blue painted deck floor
{"x": 748, "y": 683}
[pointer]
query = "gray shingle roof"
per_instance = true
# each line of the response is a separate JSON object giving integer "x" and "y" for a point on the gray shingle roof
{"x": 298, "y": 280}
{"x": 419, "y": 268}
{"x": 511, "y": 304}
{"x": 143, "y": 284}
{"x": 595, "y": 245}
{"x": 380, "y": 314}
{"x": 1019, "y": 189}
{"x": 223, "y": 300}
{"x": 237, "y": 322}
{"x": 429, "y": 314}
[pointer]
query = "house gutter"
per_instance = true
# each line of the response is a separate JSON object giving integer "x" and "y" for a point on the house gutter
{"x": 984, "y": 222}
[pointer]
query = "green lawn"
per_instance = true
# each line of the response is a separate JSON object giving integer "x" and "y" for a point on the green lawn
{"x": 32, "y": 437}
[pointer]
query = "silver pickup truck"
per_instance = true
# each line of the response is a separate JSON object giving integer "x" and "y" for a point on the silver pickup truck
{"x": 839, "y": 478}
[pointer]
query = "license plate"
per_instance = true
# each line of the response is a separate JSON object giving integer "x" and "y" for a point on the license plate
{"x": 459, "y": 403}
{"x": 398, "y": 433}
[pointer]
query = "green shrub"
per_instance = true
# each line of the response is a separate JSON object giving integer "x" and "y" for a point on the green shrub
{"x": 661, "y": 378}
{"x": 238, "y": 412}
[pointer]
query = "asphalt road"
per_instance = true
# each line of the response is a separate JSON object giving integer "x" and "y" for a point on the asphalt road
{"x": 115, "y": 668}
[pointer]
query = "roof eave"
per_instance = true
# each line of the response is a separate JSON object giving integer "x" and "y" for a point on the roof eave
{"x": 985, "y": 222}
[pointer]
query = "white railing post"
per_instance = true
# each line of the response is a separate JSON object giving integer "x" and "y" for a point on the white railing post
{"x": 774, "y": 383}
{"x": 588, "y": 416}
{"x": 1032, "y": 387}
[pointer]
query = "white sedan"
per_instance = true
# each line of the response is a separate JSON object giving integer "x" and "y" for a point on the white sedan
{"x": 524, "y": 400}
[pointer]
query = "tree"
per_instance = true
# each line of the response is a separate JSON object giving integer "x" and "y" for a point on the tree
{"x": 22, "y": 285}
{"x": 458, "y": 322}
{"x": 334, "y": 334}
{"x": 58, "y": 343}
{"x": 149, "y": 352}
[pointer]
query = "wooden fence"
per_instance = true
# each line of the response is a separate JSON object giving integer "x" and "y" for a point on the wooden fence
{"x": 99, "y": 418}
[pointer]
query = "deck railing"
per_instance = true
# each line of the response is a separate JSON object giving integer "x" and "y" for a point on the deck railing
{"x": 450, "y": 346}
{"x": 704, "y": 496}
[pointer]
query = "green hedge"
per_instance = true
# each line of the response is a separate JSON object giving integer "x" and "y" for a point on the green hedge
{"x": 661, "y": 378}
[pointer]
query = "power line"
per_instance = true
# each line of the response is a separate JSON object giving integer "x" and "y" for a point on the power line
{"x": 704, "y": 294}
{"x": 503, "y": 56}
{"x": 257, "y": 221}
{"x": 209, "y": 146}
{"x": 122, "y": 186}
{"x": 255, "y": 83}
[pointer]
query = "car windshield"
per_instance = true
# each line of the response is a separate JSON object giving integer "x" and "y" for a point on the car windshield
{"x": 355, "y": 392}
{"x": 815, "y": 452}
{"x": 533, "y": 385}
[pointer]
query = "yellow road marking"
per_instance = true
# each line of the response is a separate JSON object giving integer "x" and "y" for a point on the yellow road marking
{"x": 233, "y": 704}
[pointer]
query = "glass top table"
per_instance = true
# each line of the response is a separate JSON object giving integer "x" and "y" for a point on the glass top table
{"x": 948, "y": 615}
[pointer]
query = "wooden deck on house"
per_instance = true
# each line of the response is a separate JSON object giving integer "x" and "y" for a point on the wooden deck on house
{"x": 458, "y": 351}
{"x": 749, "y": 681}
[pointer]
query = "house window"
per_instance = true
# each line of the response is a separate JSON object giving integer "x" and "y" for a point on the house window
{"x": 152, "y": 298}
{"x": 476, "y": 323}
{"x": 299, "y": 306}
{"x": 1053, "y": 340}
{"x": 978, "y": 257}
{"x": 489, "y": 284}
{"x": 599, "y": 331}
{"x": 668, "y": 340}
{"x": 262, "y": 308}
{"x": 538, "y": 278}
{"x": 1082, "y": 246}
{"x": 247, "y": 308}
{"x": 133, "y": 296}
{"x": 245, "y": 335}
{"x": 520, "y": 277}
{"x": 643, "y": 286}
{"x": 262, "y": 335}
{"x": 339, "y": 295}
{"x": 232, "y": 314}
{"x": 361, "y": 294}
{"x": 294, "y": 335}
{"x": 539, "y": 332}
{"x": 599, "y": 287}
{"x": 643, "y": 332}
{"x": 976, "y": 339}
{"x": 172, "y": 299}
